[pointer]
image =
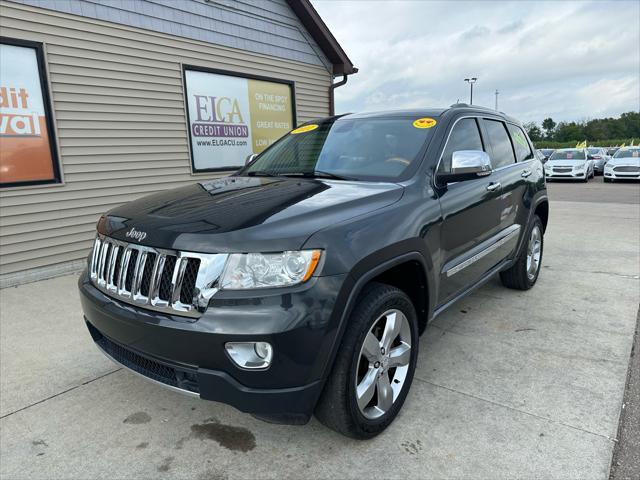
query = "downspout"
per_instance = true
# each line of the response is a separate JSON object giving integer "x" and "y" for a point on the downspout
{"x": 332, "y": 87}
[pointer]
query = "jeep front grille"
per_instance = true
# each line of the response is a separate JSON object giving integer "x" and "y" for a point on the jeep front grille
{"x": 170, "y": 281}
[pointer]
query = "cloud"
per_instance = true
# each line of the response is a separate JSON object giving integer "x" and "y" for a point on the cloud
{"x": 511, "y": 27}
{"x": 475, "y": 31}
{"x": 567, "y": 60}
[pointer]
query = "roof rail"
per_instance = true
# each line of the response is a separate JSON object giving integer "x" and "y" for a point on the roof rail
{"x": 479, "y": 107}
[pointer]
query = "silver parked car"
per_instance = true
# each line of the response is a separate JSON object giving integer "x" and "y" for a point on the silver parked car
{"x": 545, "y": 153}
{"x": 570, "y": 164}
{"x": 625, "y": 164}
{"x": 611, "y": 151}
{"x": 599, "y": 157}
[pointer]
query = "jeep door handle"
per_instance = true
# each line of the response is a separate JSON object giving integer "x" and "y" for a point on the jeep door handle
{"x": 526, "y": 173}
{"x": 493, "y": 186}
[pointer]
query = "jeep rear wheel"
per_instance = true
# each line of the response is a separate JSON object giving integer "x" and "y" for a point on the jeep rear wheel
{"x": 524, "y": 272}
{"x": 374, "y": 368}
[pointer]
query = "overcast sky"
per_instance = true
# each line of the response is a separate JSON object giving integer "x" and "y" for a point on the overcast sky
{"x": 567, "y": 60}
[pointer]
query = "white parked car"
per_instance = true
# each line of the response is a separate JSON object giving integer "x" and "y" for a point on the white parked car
{"x": 625, "y": 164}
{"x": 569, "y": 163}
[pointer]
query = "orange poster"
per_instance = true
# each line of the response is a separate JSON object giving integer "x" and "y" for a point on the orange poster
{"x": 25, "y": 151}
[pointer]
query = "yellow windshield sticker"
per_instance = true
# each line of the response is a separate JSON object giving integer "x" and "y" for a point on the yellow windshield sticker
{"x": 304, "y": 128}
{"x": 425, "y": 122}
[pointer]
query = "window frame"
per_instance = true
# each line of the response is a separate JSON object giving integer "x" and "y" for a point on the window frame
{"x": 448, "y": 137}
{"x": 532, "y": 150}
{"x": 486, "y": 132}
{"x": 48, "y": 111}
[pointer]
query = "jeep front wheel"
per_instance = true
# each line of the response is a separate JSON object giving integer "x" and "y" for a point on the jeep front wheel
{"x": 374, "y": 368}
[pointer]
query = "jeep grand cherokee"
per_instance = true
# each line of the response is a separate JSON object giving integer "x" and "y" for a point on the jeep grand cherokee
{"x": 301, "y": 283}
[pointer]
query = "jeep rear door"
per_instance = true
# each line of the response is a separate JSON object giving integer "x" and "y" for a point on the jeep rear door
{"x": 512, "y": 158}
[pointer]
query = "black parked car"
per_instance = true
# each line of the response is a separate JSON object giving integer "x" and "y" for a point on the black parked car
{"x": 301, "y": 283}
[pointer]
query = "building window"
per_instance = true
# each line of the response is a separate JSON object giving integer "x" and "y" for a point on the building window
{"x": 231, "y": 116}
{"x": 28, "y": 153}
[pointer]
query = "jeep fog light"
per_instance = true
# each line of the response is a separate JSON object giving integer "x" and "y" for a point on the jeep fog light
{"x": 250, "y": 355}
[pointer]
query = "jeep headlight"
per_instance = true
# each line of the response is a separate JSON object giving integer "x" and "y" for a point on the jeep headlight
{"x": 266, "y": 270}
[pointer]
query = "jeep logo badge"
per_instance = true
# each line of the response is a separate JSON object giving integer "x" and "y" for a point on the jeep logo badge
{"x": 136, "y": 235}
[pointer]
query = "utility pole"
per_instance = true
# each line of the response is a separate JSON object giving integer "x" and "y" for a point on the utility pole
{"x": 497, "y": 93}
{"x": 471, "y": 81}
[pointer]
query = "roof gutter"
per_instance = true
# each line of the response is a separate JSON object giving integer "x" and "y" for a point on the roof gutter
{"x": 332, "y": 87}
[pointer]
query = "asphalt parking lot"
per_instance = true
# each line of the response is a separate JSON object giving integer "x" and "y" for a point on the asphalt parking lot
{"x": 509, "y": 384}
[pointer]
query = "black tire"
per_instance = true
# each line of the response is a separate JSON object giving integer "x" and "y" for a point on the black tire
{"x": 607, "y": 180}
{"x": 517, "y": 277}
{"x": 338, "y": 408}
{"x": 586, "y": 178}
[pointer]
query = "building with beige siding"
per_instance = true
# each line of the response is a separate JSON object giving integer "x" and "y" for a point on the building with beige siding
{"x": 103, "y": 101}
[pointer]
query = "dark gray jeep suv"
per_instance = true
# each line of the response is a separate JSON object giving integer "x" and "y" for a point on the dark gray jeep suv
{"x": 301, "y": 283}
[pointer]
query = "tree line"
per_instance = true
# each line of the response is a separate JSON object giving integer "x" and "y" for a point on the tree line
{"x": 601, "y": 131}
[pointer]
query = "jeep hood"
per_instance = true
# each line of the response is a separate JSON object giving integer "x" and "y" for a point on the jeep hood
{"x": 242, "y": 214}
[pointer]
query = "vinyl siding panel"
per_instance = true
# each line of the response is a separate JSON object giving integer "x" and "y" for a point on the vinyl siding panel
{"x": 260, "y": 26}
{"x": 120, "y": 122}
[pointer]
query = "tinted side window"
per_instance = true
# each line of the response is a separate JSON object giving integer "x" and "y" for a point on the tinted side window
{"x": 523, "y": 150}
{"x": 464, "y": 136}
{"x": 500, "y": 144}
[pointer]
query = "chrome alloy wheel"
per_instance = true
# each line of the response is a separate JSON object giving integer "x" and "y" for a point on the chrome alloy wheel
{"x": 534, "y": 252}
{"x": 383, "y": 364}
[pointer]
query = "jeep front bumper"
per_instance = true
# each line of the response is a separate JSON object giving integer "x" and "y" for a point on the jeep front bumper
{"x": 189, "y": 355}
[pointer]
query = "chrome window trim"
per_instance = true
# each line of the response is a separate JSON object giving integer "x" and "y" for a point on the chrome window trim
{"x": 478, "y": 118}
{"x": 455, "y": 122}
{"x": 102, "y": 275}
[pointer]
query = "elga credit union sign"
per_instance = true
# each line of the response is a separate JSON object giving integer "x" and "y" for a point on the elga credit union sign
{"x": 231, "y": 117}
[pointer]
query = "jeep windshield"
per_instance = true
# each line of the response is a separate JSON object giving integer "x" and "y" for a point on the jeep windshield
{"x": 568, "y": 155}
{"x": 374, "y": 149}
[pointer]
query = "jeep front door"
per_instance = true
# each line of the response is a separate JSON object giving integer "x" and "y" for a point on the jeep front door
{"x": 470, "y": 217}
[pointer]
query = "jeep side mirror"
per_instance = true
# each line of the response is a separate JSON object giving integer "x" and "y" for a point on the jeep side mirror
{"x": 467, "y": 165}
{"x": 250, "y": 158}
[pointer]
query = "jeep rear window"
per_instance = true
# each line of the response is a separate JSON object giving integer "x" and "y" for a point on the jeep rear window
{"x": 568, "y": 155}
{"x": 360, "y": 149}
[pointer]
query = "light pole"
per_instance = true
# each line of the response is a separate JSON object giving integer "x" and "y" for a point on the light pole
{"x": 497, "y": 93}
{"x": 471, "y": 81}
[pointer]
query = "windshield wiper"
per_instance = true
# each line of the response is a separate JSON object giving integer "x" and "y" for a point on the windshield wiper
{"x": 318, "y": 174}
{"x": 261, "y": 173}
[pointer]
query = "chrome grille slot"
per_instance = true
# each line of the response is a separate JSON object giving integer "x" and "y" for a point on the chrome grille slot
{"x": 164, "y": 292}
{"x": 130, "y": 270}
{"x": 189, "y": 280}
{"x": 170, "y": 281}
